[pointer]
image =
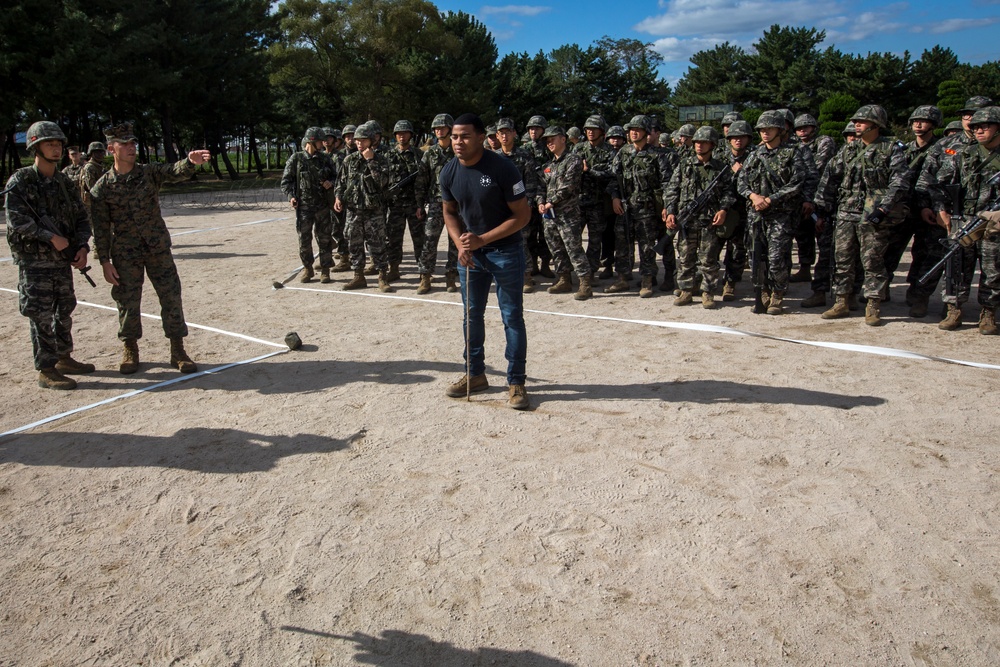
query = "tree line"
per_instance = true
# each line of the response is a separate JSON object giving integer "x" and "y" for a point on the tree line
{"x": 194, "y": 73}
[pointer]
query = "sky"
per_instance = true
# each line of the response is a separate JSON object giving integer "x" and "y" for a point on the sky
{"x": 679, "y": 28}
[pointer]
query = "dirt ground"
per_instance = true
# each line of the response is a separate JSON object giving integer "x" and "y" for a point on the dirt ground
{"x": 674, "y": 496}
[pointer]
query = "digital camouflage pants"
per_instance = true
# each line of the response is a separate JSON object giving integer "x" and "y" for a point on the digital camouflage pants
{"x": 776, "y": 232}
{"x": 132, "y": 271}
{"x": 366, "y": 228}
{"x": 433, "y": 227}
{"x": 564, "y": 236}
{"x": 46, "y": 298}
{"x": 851, "y": 235}
{"x": 698, "y": 253}
{"x": 645, "y": 230}
{"x": 595, "y": 221}
{"x": 321, "y": 223}
{"x": 396, "y": 221}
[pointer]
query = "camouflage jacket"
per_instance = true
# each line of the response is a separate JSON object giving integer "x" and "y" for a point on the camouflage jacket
{"x": 303, "y": 180}
{"x": 91, "y": 173}
{"x": 594, "y": 188}
{"x": 403, "y": 163}
{"x": 916, "y": 156}
{"x": 363, "y": 185}
{"x": 864, "y": 178}
{"x": 529, "y": 172}
{"x": 563, "y": 176}
{"x": 823, "y": 149}
{"x": 540, "y": 152}
{"x": 73, "y": 171}
{"x": 690, "y": 179}
{"x": 943, "y": 150}
{"x": 126, "y": 209}
{"x": 428, "y": 188}
{"x": 640, "y": 178}
{"x": 739, "y": 201}
{"x": 37, "y": 208}
{"x": 811, "y": 182}
{"x": 778, "y": 173}
{"x": 972, "y": 167}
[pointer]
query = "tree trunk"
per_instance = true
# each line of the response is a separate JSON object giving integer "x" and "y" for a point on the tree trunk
{"x": 253, "y": 153}
{"x": 166, "y": 122}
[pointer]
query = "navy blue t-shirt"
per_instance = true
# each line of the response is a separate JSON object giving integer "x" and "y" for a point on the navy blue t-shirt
{"x": 483, "y": 192}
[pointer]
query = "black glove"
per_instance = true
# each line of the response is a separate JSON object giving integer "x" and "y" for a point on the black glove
{"x": 876, "y": 216}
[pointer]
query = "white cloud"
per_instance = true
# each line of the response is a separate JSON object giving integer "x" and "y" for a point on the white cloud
{"x": 735, "y": 17}
{"x": 674, "y": 49}
{"x": 520, "y": 10}
{"x": 954, "y": 25}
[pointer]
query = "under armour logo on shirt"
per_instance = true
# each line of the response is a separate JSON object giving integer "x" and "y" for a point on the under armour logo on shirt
{"x": 485, "y": 181}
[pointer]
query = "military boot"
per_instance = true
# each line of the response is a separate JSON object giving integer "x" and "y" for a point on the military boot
{"x": 383, "y": 282}
{"x": 50, "y": 378}
{"x": 371, "y": 270}
{"x": 775, "y": 302}
{"x": 545, "y": 270}
{"x": 130, "y": 357}
{"x": 451, "y": 281}
{"x": 307, "y": 274}
{"x": 668, "y": 283}
{"x": 359, "y": 281}
{"x": 324, "y": 276}
{"x": 607, "y": 272}
{"x": 987, "y": 322}
{"x": 854, "y": 303}
{"x": 765, "y": 299}
{"x": 840, "y": 308}
{"x": 873, "y": 312}
{"x": 534, "y": 266}
{"x": 343, "y": 264}
{"x": 803, "y": 275}
{"x": 620, "y": 285}
{"x": 646, "y": 287}
{"x": 707, "y": 301}
{"x": 683, "y": 299}
{"x": 586, "y": 289}
{"x": 425, "y": 283}
{"x": 67, "y": 365}
{"x": 563, "y": 286}
{"x": 918, "y": 307}
{"x": 729, "y": 291}
{"x": 952, "y": 320}
{"x": 815, "y": 301}
{"x": 179, "y": 359}
{"x": 393, "y": 272}
{"x": 529, "y": 283}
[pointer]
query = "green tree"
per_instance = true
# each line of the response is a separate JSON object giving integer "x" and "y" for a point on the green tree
{"x": 783, "y": 70}
{"x": 835, "y": 112}
{"x": 718, "y": 76}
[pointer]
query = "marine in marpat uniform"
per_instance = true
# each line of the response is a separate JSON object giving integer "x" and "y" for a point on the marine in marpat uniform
{"x": 93, "y": 170}
{"x": 75, "y": 166}
{"x": 308, "y": 182}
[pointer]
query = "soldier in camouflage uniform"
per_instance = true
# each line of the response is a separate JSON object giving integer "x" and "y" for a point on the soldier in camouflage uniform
{"x": 404, "y": 165}
{"x": 615, "y": 138}
{"x": 307, "y": 181}
{"x": 641, "y": 174}
{"x": 92, "y": 171}
{"x": 822, "y": 148}
{"x": 772, "y": 180}
{"x": 534, "y": 234}
{"x": 956, "y": 292}
{"x": 525, "y": 162}
{"x": 362, "y": 191}
{"x": 869, "y": 187}
{"x": 348, "y": 135}
{"x": 952, "y": 128}
{"x": 722, "y": 151}
{"x": 131, "y": 241}
{"x": 428, "y": 191}
{"x": 47, "y": 231}
{"x": 595, "y": 204}
{"x": 976, "y": 168}
{"x": 75, "y": 166}
{"x": 559, "y": 206}
{"x": 805, "y": 229}
{"x": 685, "y": 134}
{"x": 738, "y": 140}
{"x": 699, "y": 245}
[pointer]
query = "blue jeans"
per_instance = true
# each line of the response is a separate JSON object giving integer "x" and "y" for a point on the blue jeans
{"x": 506, "y": 266}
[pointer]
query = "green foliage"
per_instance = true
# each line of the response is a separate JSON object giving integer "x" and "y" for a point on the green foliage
{"x": 838, "y": 108}
{"x": 752, "y": 115}
{"x": 950, "y": 98}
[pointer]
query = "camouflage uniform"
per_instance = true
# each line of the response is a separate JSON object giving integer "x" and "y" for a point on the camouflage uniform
{"x": 338, "y": 220}
{"x": 525, "y": 162}
{"x": 129, "y": 232}
{"x": 563, "y": 224}
{"x": 303, "y": 180}
{"x": 45, "y": 278}
{"x": 73, "y": 172}
{"x": 736, "y": 248}
{"x": 595, "y": 205}
{"x": 89, "y": 175}
{"x": 403, "y": 204}
{"x": 805, "y": 228}
{"x": 823, "y": 149}
{"x": 362, "y": 191}
{"x": 533, "y": 232}
{"x": 428, "y": 193}
{"x": 914, "y": 227}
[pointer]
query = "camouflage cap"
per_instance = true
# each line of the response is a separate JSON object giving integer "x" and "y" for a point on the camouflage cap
{"x": 706, "y": 133}
{"x": 43, "y": 130}
{"x": 787, "y": 116}
{"x": 849, "y": 129}
{"x": 553, "y": 131}
{"x": 596, "y": 122}
{"x": 639, "y": 122}
{"x": 973, "y": 103}
{"x": 506, "y": 123}
{"x": 329, "y": 132}
{"x": 96, "y": 146}
{"x": 805, "y": 120}
{"x": 664, "y": 139}
{"x": 926, "y": 112}
{"x": 121, "y": 133}
{"x": 616, "y": 131}
{"x": 573, "y": 133}
{"x": 740, "y": 128}
{"x": 872, "y": 113}
{"x": 537, "y": 121}
{"x": 770, "y": 119}
{"x": 985, "y": 115}
{"x": 402, "y": 126}
{"x": 491, "y": 130}
{"x": 313, "y": 134}
{"x": 348, "y": 129}
{"x": 365, "y": 131}
{"x": 442, "y": 120}
{"x": 731, "y": 117}
{"x": 686, "y": 130}
{"x": 954, "y": 126}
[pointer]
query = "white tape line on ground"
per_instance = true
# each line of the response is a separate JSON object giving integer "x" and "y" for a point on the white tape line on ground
{"x": 690, "y": 326}
{"x": 242, "y": 224}
{"x": 6, "y": 259}
{"x": 159, "y": 385}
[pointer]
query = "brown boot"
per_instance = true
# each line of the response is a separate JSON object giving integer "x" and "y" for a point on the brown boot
{"x": 545, "y": 270}
{"x": 529, "y": 283}
{"x": 324, "y": 277}
{"x": 307, "y": 274}
{"x": 393, "y": 272}
{"x": 774, "y": 304}
{"x": 803, "y": 275}
{"x": 451, "y": 281}
{"x": 729, "y": 291}
{"x": 67, "y": 365}
{"x": 840, "y": 308}
{"x": 563, "y": 286}
{"x": 586, "y": 289}
{"x": 707, "y": 301}
{"x": 987, "y": 323}
{"x": 873, "y": 312}
{"x": 646, "y": 287}
{"x": 50, "y": 378}
{"x": 620, "y": 285}
{"x": 952, "y": 320}
{"x": 815, "y": 301}
{"x": 383, "y": 282}
{"x": 179, "y": 359}
{"x": 919, "y": 306}
{"x": 683, "y": 299}
{"x": 359, "y": 281}
{"x": 130, "y": 357}
{"x": 425, "y": 283}
{"x": 343, "y": 264}
{"x": 370, "y": 270}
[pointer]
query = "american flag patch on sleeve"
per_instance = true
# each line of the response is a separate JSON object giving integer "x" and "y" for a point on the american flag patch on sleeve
{"x": 519, "y": 187}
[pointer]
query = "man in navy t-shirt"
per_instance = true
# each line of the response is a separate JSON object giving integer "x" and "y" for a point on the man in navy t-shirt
{"x": 484, "y": 210}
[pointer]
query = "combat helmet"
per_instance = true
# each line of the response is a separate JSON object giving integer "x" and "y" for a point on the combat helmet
{"x": 402, "y": 126}
{"x": 43, "y": 130}
{"x": 314, "y": 134}
{"x": 706, "y": 133}
{"x": 365, "y": 131}
{"x": 953, "y": 126}
{"x": 616, "y": 131}
{"x": 805, "y": 120}
{"x": 442, "y": 120}
{"x": 849, "y": 129}
{"x": 553, "y": 131}
{"x": 873, "y": 113}
{"x": 349, "y": 129}
{"x": 639, "y": 122}
{"x": 985, "y": 115}
{"x": 787, "y": 116}
{"x": 731, "y": 117}
{"x": 573, "y": 132}
{"x": 596, "y": 122}
{"x": 329, "y": 132}
{"x": 739, "y": 128}
{"x": 506, "y": 123}
{"x": 537, "y": 121}
{"x": 926, "y": 112}
{"x": 770, "y": 119}
{"x": 973, "y": 103}
{"x": 96, "y": 146}
{"x": 686, "y": 130}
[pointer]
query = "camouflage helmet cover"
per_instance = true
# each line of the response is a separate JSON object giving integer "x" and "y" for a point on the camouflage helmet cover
{"x": 954, "y": 126}
{"x": 96, "y": 146}
{"x": 787, "y": 116}
{"x": 973, "y": 103}
{"x": 553, "y": 131}
{"x": 849, "y": 129}
{"x": 872, "y": 113}
{"x": 375, "y": 126}
{"x": 365, "y": 131}
{"x": 349, "y": 129}
{"x": 314, "y": 134}
{"x": 731, "y": 117}
{"x": 43, "y": 130}
{"x": 596, "y": 122}
{"x": 329, "y": 132}
{"x": 616, "y": 131}
{"x": 573, "y": 133}
{"x": 926, "y": 112}
{"x": 537, "y": 121}
{"x": 121, "y": 133}
{"x": 639, "y": 122}
{"x": 686, "y": 130}
{"x": 402, "y": 126}
{"x": 706, "y": 133}
{"x": 491, "y": 130}
{"x": 805, "y": 120}
{"x": 770, "y": 119}
{"x": 985, "y": 115}
{"x": 739, "y": 128}
{"x": 506, "y": 123}
{"x": 442, "y": 120}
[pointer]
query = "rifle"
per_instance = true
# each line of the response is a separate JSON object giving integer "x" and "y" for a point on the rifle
{"x": 402, "y": 183}
{"x": 49, "y": 225}
{"x": 966, "y": 235}
{"x": 691, "y": 209}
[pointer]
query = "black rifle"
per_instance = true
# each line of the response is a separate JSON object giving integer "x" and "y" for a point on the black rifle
{"x": 402, "y": 183}
{"x": 691, "y": 209}
{"x": 965, "y": 235}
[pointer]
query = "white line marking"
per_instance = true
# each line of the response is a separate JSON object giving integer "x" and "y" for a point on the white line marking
{"x": 212, "y": 229}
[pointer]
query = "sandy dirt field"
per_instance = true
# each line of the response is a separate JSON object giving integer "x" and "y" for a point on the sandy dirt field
{"x": 673, "y": 497}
